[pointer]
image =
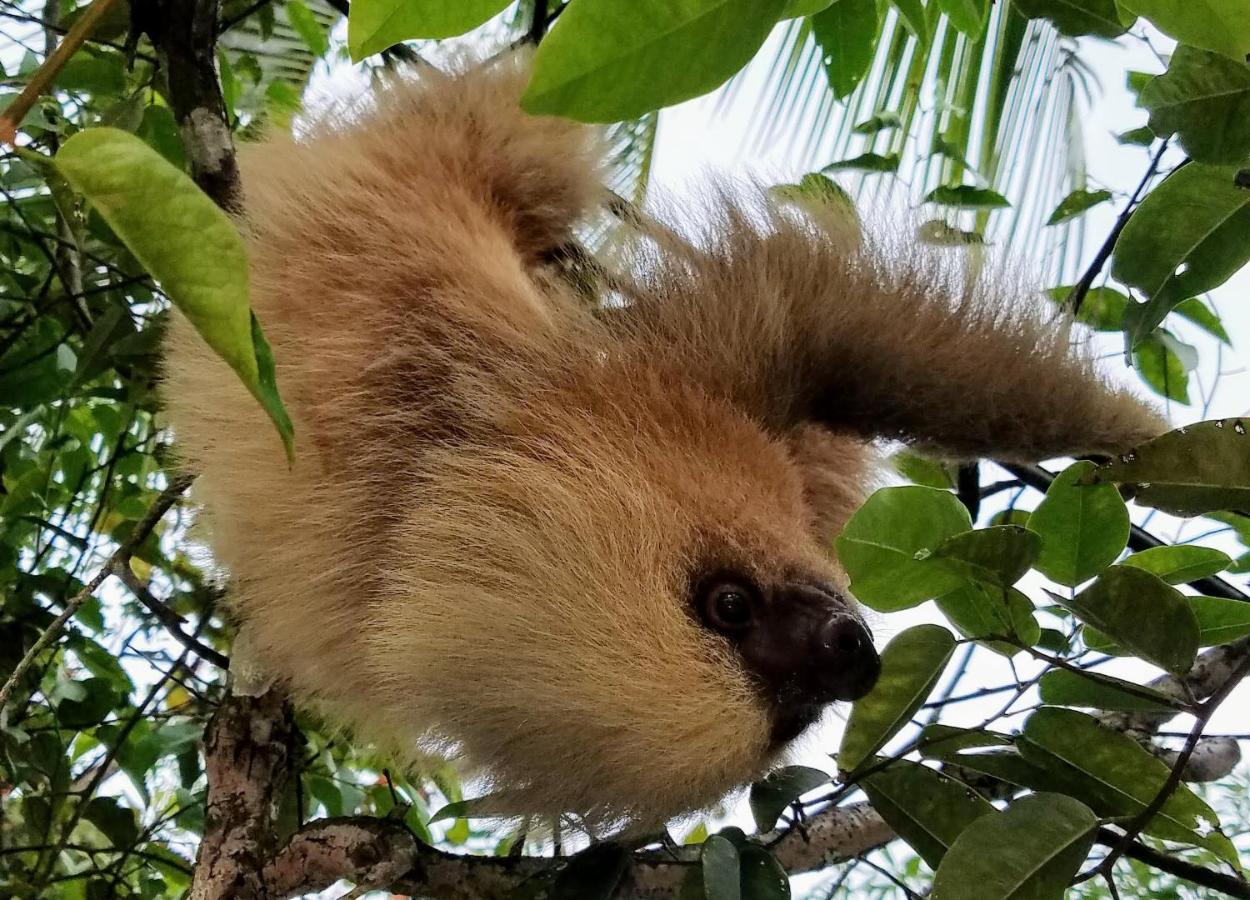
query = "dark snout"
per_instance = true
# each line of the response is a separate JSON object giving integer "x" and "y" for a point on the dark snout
{"x": 807, "y": 651}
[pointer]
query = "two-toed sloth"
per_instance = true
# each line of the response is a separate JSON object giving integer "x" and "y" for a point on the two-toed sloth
{"x": 584, "y": 549}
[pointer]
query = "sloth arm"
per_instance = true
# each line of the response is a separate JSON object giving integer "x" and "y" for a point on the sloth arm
{"x": 800, "y": 325}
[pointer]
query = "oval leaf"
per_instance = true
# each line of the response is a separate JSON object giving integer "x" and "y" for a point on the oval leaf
{"x": 1192, "y": 470}
{"x": 979, "y": 612}
{"x": 911, "y": 665}
{"x": 1063, "y": 687}
{"x": 374, "y": 25}
{"x": 1189, "y": 235}
{"x": 770, "y": 797}
{"x": 763, "y": 878}
{"x": 1220, "y": 25}
{"x": 1220, "y": 620}
{"x": 927, "y": 808}
{"x": 1118, "y": 776}
{"x": 722, "y": 877}
{"x": 605, "y": 61}
{"x": 846, "y": 33}
{"x": 1082, "y": 531}
{"x": 185, "y": 242}
{"x": 1099, "y": 17}
{"x": 1029, "y": 851}
{"x": 1141, "y": 613}
{"x": 998, "y": 556}
{"x": 1181, "y": 563}
{"x": 1076, "y": 203}
{"x": 1204, "y": 99}
{"x": 880, "y": 544}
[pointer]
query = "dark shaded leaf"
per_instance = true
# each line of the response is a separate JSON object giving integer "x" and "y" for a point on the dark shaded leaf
{"x": 928, "y": 809}
{"x": 770, "y": 797}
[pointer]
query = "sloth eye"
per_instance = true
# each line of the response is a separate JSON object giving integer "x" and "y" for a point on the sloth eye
{"x": 727, "y": 606}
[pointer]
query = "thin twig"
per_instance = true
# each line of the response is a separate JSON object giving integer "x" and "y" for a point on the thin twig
{"x": 170, "y": 619}
{"x": 50, "y": 68}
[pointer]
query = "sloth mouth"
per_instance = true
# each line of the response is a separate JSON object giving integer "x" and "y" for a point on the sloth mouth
{"x": 789, "y": 720}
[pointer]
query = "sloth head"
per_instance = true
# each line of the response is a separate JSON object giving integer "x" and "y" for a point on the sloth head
{"x": 628, "y": 607}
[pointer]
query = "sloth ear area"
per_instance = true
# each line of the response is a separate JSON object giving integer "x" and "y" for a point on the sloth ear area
{"x": 837, "y": 475}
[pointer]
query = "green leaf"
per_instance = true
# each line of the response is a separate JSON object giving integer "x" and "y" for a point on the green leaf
{"x": 923, "y": 470}
{"x": 771, "y": 796}
{"x": 1197, "y": 312}
{"x": 307, "y": 27}
{"x": 374, "y": 25}
{"x": 1076, "y": 203}
{"x": 185, "y": 242}
{"x": 1141, "y": 137}
{"x": 1082, "y": 530}
{"x": 823, "y": 193}
{"x": 870, "y": 162}
{"x": 969, "y": 16}
{"x": 605, "y": 61}
{"x": 763, "y": 878}
{"x": 885, "y": 544}
{"x": 796, "y": 9}
{"x": 592, "y": 874}
{"x": 1142, "y": 613}
{"x": 1118, "y": 777}
{"x": 722, "y": 876}
{"x": 965, "y": 196}
{"x": 1188, "y": 236}
{"x": 118, "y": 823}
{"x": 1203, "y": 98}
{"x": 1161, "y": 368}
{"x": 979, "y": 612}
{"x": 1220, "y": 620}
{"x": 484, "y": 807}
{"x": 887, "y": 119}
{"x": 91, "y": 703}
{"x": 996, "y": 556}
{"x": 1220, "y": 25}
{"x": 927, "y": 808}
{"x": 1180, "y": 563}
{"x": 1102, "y": 309}
{"x": 1190, "y": 471}
{"x": 911, "y": 14}
{"x": 911, "y": 665}
{"x": 1029, "y": 851}
{"x": 1063, "y": 687}
{"x": 847, "y": 35}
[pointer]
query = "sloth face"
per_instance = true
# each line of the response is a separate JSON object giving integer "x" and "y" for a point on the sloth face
{"x": 799, "y": 641}
{"x": 625, "y": 614}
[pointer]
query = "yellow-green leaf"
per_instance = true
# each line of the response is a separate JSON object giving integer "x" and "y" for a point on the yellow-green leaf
{"x": 374, "y": 25}
{"x": 187, "y": 244}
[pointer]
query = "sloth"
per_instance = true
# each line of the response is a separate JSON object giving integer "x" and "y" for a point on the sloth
{"x": 582, "y": 547}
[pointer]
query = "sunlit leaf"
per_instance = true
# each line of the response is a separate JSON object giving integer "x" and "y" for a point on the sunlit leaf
{"x": 374, "y": 25}
{"x": 605, "y": 61}
{"x": 1219, "y": 25}
{"x": 185, "y": 242}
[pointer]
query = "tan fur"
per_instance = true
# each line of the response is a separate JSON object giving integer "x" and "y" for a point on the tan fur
{"x": 484, "y": 548}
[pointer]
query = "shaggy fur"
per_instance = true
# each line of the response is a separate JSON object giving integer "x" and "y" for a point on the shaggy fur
{"x": 485, "y": 546}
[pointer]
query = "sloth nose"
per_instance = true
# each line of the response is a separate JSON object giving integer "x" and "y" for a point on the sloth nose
{"x": 844, "y": 664}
